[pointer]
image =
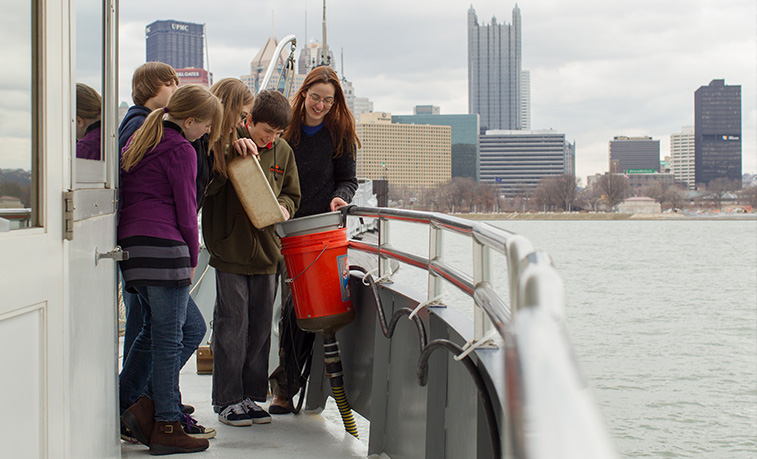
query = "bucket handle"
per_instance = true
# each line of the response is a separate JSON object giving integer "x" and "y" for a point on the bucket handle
{"x": 291, "y": 279}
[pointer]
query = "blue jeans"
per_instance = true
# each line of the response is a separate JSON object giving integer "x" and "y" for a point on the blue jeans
{"x": 134, "y": 319}
{"x": 173, "y": 329}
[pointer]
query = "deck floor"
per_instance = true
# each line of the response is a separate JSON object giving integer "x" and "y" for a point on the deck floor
{"x": 306, "y": 435}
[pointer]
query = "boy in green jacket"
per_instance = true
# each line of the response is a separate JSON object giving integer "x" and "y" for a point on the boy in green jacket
{"x": 245, "y": 259}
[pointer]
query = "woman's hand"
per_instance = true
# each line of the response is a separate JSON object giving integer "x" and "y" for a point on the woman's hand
{"x": 336, "y": 203}
{"x": 286, "y": 212}
{"x": 192, "y": 275}
{"x": 245, "y": 146}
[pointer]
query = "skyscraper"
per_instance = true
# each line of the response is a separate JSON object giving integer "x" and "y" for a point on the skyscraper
{"x": 682, "y": 152}
{"x": 179, "y": 44}
{"x": 717, "y": 132}
{"x": 634, "y": 154}
{"x": 494, "y": 72}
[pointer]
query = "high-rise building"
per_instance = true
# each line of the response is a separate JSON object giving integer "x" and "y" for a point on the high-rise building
{"x": 717, "y": 132}
{"x": 682, "y": 156}
{"x": 525, "y": 99}
{"x": 259, "y": 65}
{"x": 517, "y": 161}
{"x": 179, "y": 44}
{"x": 357, "y": 105}
{"x": 411, "y": 155}
{"x": 494, "y": 72}
{"x": 312, "y": 56}
{"x": 464, "y": 136}
{"x": 634, "y": 154}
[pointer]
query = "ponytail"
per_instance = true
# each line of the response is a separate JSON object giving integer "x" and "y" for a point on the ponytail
{"x": 190, "y": 101}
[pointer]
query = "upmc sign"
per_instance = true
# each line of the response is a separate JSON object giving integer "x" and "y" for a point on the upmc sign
{"x": 194, "y": 76}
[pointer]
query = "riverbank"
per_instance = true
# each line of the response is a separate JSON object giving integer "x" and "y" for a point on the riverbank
{"x": 605, "y": 216}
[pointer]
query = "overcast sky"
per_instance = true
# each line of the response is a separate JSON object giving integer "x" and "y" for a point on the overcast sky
{"x": 598, "y": 68}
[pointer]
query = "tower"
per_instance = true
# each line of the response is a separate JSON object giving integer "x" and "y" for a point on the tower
{"x": 717, "y": 132}
{"x": 178, "y": 44}
{"x": 494, "y": 72}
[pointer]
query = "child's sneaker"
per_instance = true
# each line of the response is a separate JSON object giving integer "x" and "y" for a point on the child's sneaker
{"x": 235, "y": 415}
{"x": 194, "y": 429}
{"x": 258, "y": 414}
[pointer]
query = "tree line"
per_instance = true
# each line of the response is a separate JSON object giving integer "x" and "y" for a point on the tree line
{"x": 561, "y": 193}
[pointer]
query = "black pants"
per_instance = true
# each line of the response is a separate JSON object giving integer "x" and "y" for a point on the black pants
{"x": 242, "y": 337}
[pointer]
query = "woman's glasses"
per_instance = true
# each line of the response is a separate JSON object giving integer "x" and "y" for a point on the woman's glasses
{"x": 327, "y": 101}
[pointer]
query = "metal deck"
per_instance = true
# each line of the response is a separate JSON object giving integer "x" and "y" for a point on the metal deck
{"x": 306, "y": 435}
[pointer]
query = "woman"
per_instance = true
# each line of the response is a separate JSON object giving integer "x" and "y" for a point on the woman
{"x": 322, "y": 135}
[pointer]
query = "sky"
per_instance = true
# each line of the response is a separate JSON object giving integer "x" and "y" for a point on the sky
{"x": 598, "y": 68}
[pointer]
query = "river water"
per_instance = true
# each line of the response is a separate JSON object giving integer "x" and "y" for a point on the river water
{"x": 663, "y": 319}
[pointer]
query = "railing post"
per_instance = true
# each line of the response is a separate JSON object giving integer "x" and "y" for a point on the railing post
{"x": 383, "y": 262}
{"x": 482, "y": 272}
{"x": 435, "y": 253}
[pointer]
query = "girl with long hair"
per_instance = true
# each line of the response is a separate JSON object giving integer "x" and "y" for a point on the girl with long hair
{"x": 158, "y": 227}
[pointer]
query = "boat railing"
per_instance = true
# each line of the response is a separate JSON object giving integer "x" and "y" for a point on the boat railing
{"x": 546, "y": 407}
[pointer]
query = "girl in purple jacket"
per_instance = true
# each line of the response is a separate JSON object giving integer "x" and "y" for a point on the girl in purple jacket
{"x": 158, "y": 227}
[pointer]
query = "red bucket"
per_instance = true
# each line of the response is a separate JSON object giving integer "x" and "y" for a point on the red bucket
{"x": 319, "y": 276}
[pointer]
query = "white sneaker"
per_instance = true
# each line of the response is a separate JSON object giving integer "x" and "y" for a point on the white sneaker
{"x": 235, "y": 415}
{"x": 258, "y": 414}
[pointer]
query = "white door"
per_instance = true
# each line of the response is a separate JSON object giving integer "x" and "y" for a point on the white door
{"x": 58, "y": 334}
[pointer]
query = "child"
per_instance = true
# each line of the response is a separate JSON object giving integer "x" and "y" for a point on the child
{"x": 245, "y": 260}
{"x": 88, "y": 111}
{"x": 158, "y": 226}
{"x": 151, "y": 86}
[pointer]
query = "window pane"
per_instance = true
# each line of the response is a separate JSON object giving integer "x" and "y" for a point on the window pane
{"x": 18, "y": 196}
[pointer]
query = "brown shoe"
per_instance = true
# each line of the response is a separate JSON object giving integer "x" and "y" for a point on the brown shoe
{"x": 170, "y": 438}
{"x": 279, "y": 405}
{"x": 139, "y": 419}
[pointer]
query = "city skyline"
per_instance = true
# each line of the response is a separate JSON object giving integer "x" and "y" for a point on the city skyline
{"x": 597, "y": 70}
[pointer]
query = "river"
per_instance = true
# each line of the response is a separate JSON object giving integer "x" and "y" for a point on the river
{"x": 663, "y": 319}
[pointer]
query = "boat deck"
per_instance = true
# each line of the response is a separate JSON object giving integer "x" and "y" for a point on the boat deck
{"x": 306, "y": 435}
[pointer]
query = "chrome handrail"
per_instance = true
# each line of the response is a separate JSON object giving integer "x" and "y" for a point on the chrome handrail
{"x": 276, "y": 53}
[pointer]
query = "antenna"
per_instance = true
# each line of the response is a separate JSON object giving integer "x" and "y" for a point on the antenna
{"x": 325, "y": 57}
{"x": 272, "y": 22}
{"x": 207, "y": 53}
{"x": 342, "y": 61}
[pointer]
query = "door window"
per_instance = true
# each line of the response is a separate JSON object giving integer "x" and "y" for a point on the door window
{"x": 19, "y": 125}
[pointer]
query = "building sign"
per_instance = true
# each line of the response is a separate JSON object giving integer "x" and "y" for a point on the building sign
{"x": 194, "y": 76}
{"x": 640, "y": 171}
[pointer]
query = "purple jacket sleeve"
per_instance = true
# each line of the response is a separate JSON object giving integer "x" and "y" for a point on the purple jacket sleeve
{"x": 182, "y": 175}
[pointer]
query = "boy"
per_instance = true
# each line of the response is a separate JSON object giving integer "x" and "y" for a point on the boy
{"x": 151, "y": 87}
{"x": 245, "y": 259}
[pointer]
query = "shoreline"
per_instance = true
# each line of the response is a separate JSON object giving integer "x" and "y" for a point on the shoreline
{"x": 602, "y": 216}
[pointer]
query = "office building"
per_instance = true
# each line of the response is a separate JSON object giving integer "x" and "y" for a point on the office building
{"x": 411, "y": 155}
{"x": 357, "y": 105}
{"x": 312, "y": 56}
{"x": 259, "y": 66}
{"x": 634, "y": 154}
{"x": 682, "y": 153}
{"x": 494, "y": 72}
{"x": 179, "y": 44}
{"x": 717, "y": 132}
{"x": 517, "y": 160}
{"x": 525, "y": 99}
{"x": 464, "y": 136}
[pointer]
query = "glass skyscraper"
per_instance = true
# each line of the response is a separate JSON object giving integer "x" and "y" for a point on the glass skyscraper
{"x": 494, "y": 72}
{"x": 178, "y": 44}
{"x": 717, "y": 132}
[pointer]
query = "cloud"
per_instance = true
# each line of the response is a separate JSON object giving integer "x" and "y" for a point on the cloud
{"x": 598, "y": 69}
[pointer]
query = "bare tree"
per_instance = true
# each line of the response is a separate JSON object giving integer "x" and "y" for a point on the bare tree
{"x": 718, "y": 188}
{"x": 614, "y": 188}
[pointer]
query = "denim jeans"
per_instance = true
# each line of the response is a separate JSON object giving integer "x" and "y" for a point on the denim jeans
{"x": 242, "y": 336}
{"x": 173, "y": 329}
{"x": 134, "y": 319}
